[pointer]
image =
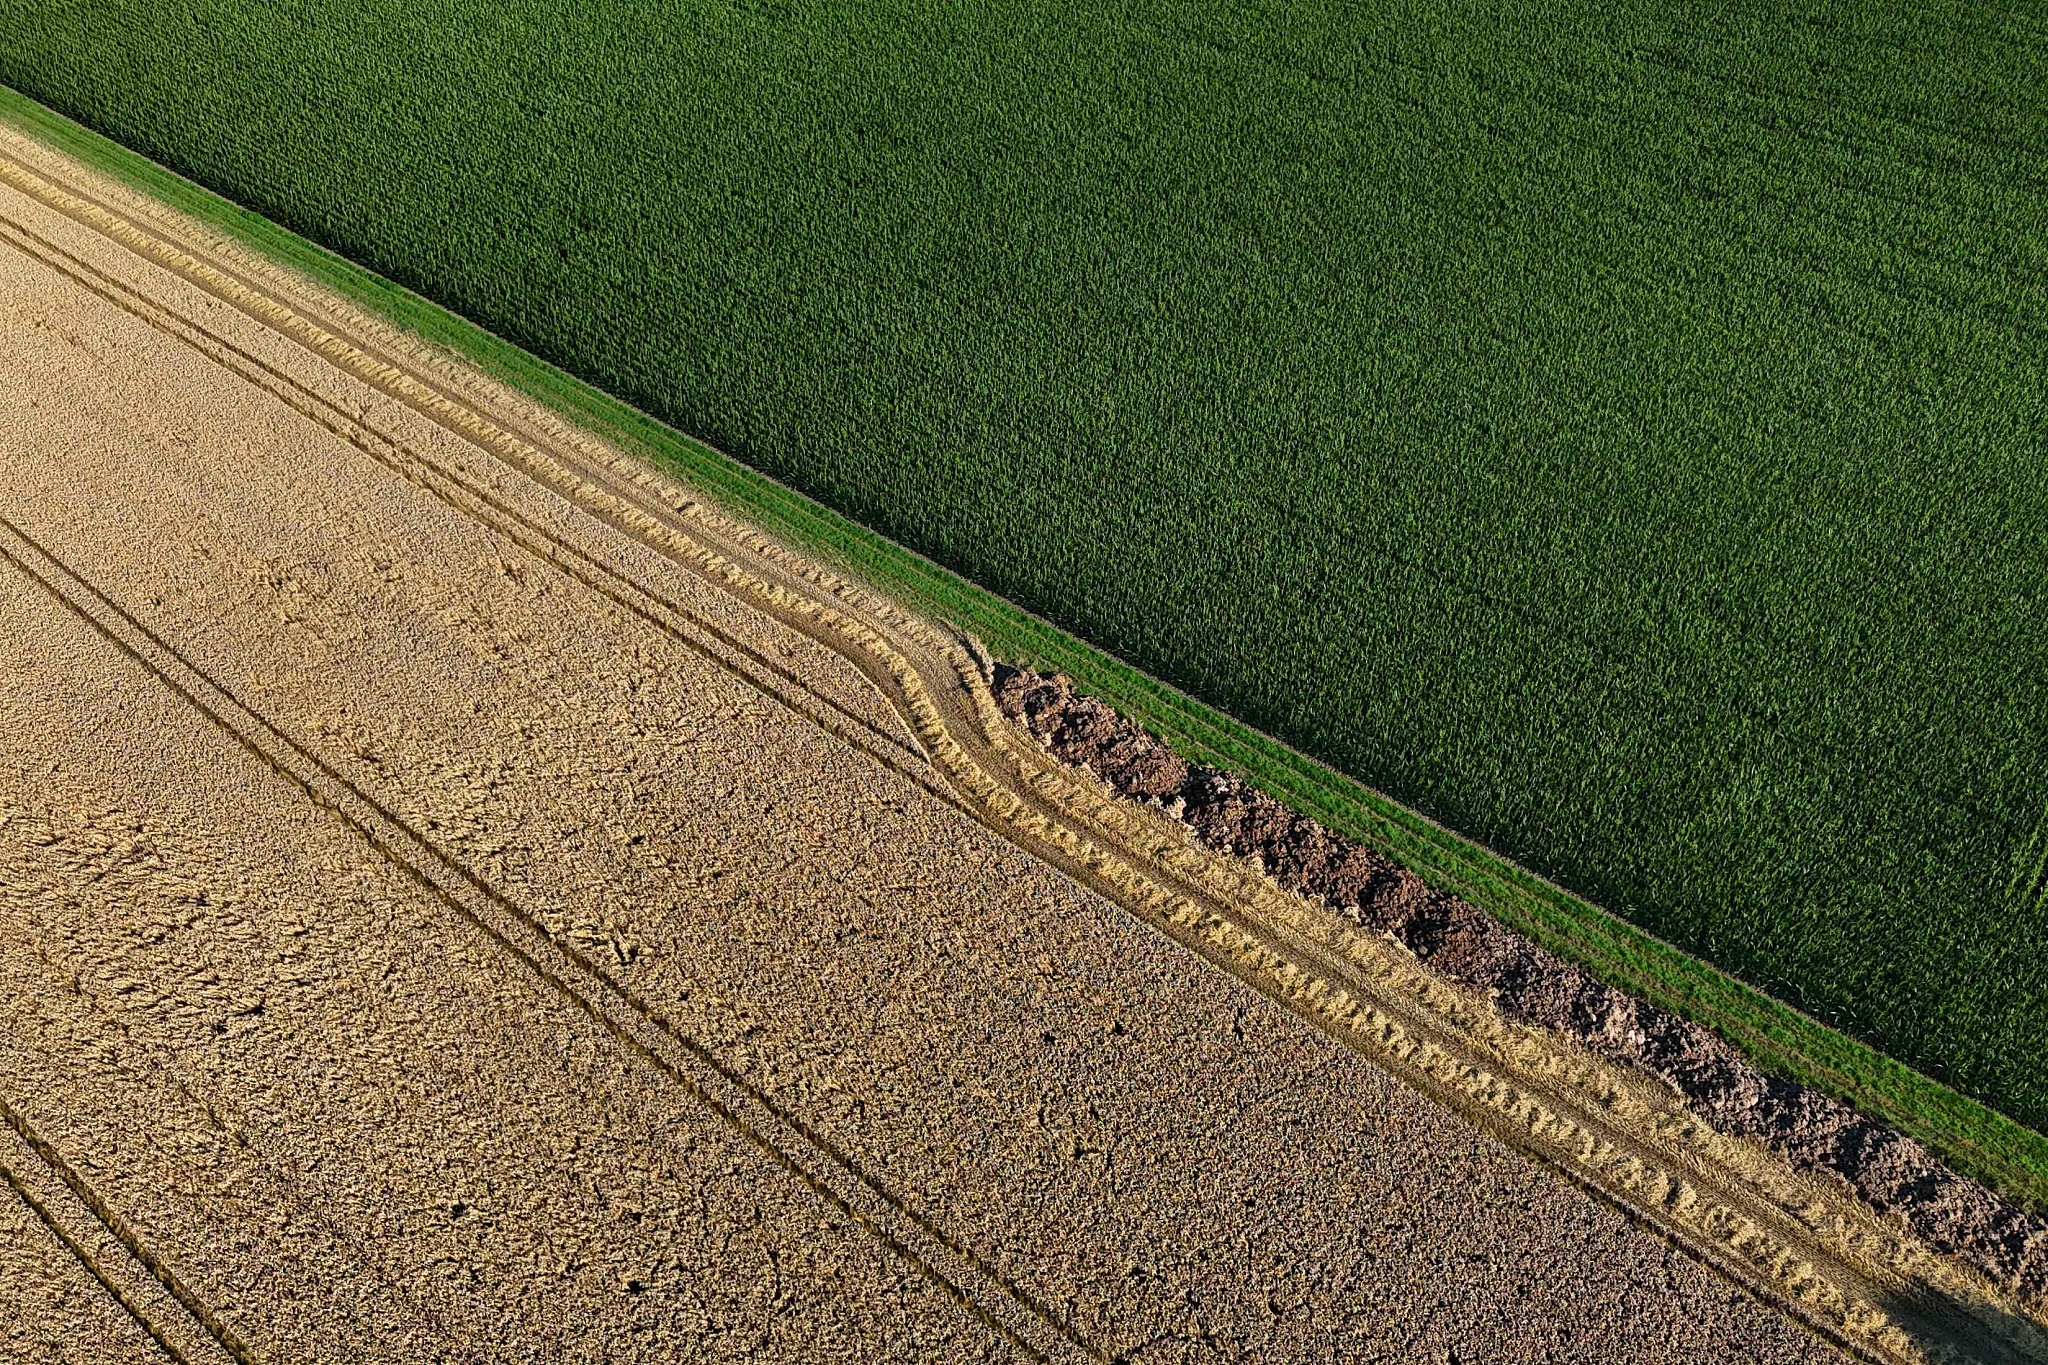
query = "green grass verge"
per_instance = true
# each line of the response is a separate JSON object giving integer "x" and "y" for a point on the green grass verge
{"x": 1976, "y": 1139}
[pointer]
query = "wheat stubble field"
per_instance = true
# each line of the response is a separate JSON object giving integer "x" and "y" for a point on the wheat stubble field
{"x": 462, "y": 897}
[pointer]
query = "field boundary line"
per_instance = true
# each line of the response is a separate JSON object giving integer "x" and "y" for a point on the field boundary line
{"x": 1980, "y": 1141}
{"x": 1569, "y": 1114}
{"x": 1610, "y": 1134}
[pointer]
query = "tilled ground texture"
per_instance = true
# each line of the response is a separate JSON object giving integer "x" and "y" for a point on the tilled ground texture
{"x": 1532, "y": 985}
{"x": 435, "y": 926}
{"x": 52, "y": 1310}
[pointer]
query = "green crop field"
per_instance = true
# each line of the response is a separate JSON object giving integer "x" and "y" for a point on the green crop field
{"x": 1619, "y": 431}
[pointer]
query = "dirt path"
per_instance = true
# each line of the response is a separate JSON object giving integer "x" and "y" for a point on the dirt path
{"x": 462, "y": 897}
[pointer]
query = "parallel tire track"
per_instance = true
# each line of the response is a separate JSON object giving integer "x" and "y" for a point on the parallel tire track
{"x": 472, "y": 500}
{"x": 91, "y": 1265}
{"x": 1827, "y": 1262}
{"x": 466, "y": 497}
{"x": 183, "y": 1327}
{"x": 784, "y": 1138}
{"x": 1191, "y": 916}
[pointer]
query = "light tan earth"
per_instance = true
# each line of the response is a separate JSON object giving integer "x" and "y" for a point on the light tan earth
{"x": 52, "y": 1310}
{"x": 441, "y": 922}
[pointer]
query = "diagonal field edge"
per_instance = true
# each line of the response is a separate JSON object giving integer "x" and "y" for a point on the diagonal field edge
{"x": 1974, "y": 1138}
{"x": 243, "y": 292}
{"x": 274, "y": 380}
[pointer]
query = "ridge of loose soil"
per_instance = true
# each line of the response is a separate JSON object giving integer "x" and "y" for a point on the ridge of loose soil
{"x": 1531, "y": 985}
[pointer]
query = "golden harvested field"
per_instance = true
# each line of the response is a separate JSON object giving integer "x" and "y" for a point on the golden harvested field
{"x": 463, "y": 898}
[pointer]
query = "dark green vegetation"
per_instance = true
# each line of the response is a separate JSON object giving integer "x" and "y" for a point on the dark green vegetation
{"x": 1617, "y": 431}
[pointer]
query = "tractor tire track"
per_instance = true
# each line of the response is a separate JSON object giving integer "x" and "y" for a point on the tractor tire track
{"x": 808, "y": 1156}
{"x": 281, "y": 1189}
{"x": 183, "y": 1328}
{"x": 459, "y": 491}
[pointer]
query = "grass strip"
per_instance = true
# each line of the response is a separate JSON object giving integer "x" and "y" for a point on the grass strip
{"x": 1975, "y": 1139}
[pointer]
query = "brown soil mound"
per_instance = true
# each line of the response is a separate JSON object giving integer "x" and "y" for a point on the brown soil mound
{"x": 1814, "y": 1131}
